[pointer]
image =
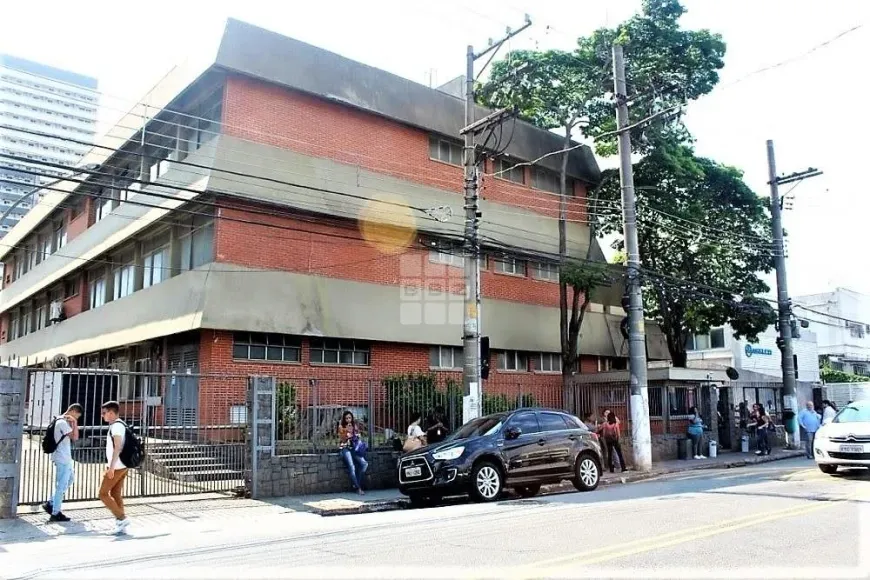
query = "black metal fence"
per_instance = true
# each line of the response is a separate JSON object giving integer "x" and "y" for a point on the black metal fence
{"x": 192, "y": 426}
{"x": 308, "y": 411}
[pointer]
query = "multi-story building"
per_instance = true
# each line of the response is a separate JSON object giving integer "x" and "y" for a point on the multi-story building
{"x": 47, "y": 117}
{"x": 276, "y": 216}
{"x": 843, "y": 321}
{"x": 719, "y": 348}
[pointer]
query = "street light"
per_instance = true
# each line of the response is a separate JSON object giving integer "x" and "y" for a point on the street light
{"x": 87, "y": 168}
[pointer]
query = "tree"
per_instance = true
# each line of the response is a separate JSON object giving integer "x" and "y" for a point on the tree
{"x": 665, "y": 67}
{"x": 566, "y": 91}
{"x": 704, "y": 238}
{"x": 555, "y": 90}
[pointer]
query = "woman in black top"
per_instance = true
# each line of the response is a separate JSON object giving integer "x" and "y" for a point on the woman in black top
{"x": 762, "y": 423}
{"x": 436, "y": 429}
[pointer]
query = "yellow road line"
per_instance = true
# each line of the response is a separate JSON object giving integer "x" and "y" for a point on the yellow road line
{"x": 671, "y": 539}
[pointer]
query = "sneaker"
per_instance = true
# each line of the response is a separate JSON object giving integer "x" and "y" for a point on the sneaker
{"x": 58, "y": 517}
{"x": 696, "y": 457}
{"x": 702, "y": 457}
{"x": 759, "y": 453}
{"x": 121, "y": 526}
{"x": 47, "y": 507}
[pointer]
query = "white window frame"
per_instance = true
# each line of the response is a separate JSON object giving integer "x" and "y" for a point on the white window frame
{"x": 549, "y": 362}
{"x": 435, "y": 151}
{"x": 124, "y": 279}
{"x": 445, "y": 258}
{"x": 97, "y": 292}
{"x": 446, "y": 357}
{"x": 513, "y": 361}
{"x": 545, "y": 271}
{"x": 510, "y": 266}
{"x": 155, "y": 265}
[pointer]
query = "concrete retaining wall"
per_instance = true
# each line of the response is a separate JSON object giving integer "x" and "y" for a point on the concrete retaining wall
{"x": 320, "y": 473}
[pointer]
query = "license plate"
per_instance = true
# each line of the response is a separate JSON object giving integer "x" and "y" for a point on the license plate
{"x": 852, "y": 448}
{"x": 413, "y": 471}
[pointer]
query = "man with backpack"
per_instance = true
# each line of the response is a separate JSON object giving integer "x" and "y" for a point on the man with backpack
{"x": 57, "y": 441}
{"x": 112, "y": 488}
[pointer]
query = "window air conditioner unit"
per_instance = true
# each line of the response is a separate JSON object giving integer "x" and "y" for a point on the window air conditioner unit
{"x": 56, "y": 311}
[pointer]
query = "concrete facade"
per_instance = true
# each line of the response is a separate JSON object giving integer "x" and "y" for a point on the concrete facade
{"x": 842, "y": 318}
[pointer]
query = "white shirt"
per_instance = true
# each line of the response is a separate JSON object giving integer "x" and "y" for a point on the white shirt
{"x": 828, "y": 415}
{"x": 116, "y": 429}
{"x": 415, "y": 431}
{"x": 63, "y": 454}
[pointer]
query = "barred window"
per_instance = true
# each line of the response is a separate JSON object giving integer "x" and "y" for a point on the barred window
{"x": 269, "y": 347}
{"x": 333, "y": 351}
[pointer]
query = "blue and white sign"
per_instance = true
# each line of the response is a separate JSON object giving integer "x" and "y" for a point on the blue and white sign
{"x": 752, "y": 350}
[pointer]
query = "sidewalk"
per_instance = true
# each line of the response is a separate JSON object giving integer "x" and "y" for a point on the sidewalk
{"x": 214, "y": 511}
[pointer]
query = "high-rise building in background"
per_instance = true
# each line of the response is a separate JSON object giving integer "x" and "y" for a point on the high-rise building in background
{"x": 35, "y": 101}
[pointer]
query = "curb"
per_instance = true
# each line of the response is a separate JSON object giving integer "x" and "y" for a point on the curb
{"x": 565, "y": 487}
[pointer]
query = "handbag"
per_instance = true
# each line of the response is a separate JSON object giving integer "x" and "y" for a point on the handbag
{"x": 359, "y": 446}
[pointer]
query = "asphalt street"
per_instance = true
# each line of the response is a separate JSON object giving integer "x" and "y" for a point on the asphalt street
{"x": 777, "y": 520}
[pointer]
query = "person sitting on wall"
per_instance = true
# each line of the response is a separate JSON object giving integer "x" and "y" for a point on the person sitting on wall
{"x": 349, "y": 436}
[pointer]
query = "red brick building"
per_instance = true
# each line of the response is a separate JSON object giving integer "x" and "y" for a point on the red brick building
{"x": 275, "y": 218}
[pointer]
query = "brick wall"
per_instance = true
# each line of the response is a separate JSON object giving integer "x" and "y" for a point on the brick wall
{"x": 336, "y": 249}
{"x": 4, "y": 328}
{"x": 79, "y": 302}
{"x": 225, "y": 380}
{"x": 266, "y": 113}
{"x": 77, "y": 225}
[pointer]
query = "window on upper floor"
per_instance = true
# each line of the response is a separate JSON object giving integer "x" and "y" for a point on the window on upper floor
{"x": 103, "y": 204}
{"x": 97, "y": 290}
{"x": 506, "y": 168}
{"x": 45, "y": 242}
{"x": 26, "y": 321}
{"x": 509, "y": 265}
{"x": 447, "y": 258}
{"x": 513, "y": 360}
{"x": 155, "y": 260}
{"x": 71, "y": 287}
{"x": 333, "y": 351}
{"x": 446, "y": 357}
{"x": 547, "y": 180}
{"x": 41, "y": 314}
{"x": 545, "y": 271}
{"x": 14, "y": 325}
{"x": 268, "y": 347}
{"x": 197, "y": 242}
{"x": 856, "y": 330}
{"x": 59, "y": 235}
{"x": 445, "y": 150}
{"x": 714, "y": 339}
{"x": 123, "y": 276}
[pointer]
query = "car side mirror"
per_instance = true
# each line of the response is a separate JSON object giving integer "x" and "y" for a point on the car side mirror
{"x": 513, "y": 433}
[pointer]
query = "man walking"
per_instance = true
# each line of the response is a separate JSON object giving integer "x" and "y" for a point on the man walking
{"x": 810, "y": 421}
{"x": 66, "y": 429}
{"x": 112, "y": 488}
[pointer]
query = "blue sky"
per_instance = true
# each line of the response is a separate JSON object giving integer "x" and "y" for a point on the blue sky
{"x": 810, "y": 106}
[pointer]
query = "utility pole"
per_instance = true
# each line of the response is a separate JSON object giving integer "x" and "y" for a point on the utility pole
{"x": 471, "y": 379}
{"x": 789, "y": 382}
{"x": 641, "y": 438}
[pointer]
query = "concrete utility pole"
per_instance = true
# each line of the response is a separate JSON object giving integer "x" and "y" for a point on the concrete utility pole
{"x": 641, "y": 438}
{"x": 789, "y": 382}
{"x": 473, "y": 389}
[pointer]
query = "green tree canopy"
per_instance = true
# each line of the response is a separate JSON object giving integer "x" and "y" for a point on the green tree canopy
{"x": 704, "y": 240}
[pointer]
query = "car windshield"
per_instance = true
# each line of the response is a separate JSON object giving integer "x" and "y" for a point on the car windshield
{"x": 853, "y": 414}
{"x": 479, "y": 427}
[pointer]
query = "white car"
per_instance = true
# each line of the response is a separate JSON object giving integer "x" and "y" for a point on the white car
{"x": 845, "y": 441}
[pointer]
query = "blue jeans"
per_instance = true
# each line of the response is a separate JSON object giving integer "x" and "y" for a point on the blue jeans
{"x": 64, "y": 476}
{"x": 811, "y": 437}
{"x": 356, "y": 467}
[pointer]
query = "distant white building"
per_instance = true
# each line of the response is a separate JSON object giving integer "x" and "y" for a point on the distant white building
{"x": 34, "y": 99}
{"x": 841, "y": 320}
{"x": 720, "y": 348}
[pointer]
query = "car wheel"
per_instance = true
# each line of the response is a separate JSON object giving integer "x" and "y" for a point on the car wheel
{"x": 528, "y": 490}
{"x": 829, "y": 469}
{"x": 486, "y": 482}
{"x": 587, "y": 473}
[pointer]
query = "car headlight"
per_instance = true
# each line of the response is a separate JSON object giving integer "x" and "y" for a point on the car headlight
{"x": 448, "y": 454}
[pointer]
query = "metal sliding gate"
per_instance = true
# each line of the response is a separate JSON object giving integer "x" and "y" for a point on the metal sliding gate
{"x": 193, "y": 428}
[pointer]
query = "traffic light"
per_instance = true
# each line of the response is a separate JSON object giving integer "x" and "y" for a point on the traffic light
{"x": 484, "y": 357}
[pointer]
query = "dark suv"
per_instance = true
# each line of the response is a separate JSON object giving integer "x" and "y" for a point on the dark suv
{"x": 522, "y": 449}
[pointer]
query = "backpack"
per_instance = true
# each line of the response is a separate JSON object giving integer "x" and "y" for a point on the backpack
{"x": 49, "y": 444}
{"x": 133, "y": 451}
